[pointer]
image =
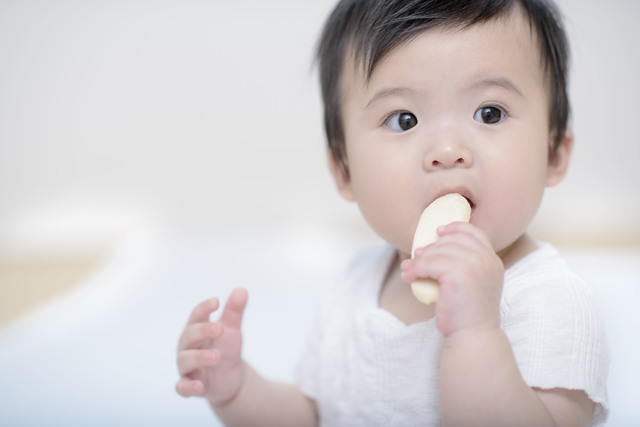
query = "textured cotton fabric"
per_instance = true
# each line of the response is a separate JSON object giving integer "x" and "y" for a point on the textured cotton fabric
{"x": 364, "y": 367}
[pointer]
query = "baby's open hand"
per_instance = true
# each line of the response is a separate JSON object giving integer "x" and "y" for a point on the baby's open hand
{"x": 470, "y": 275}
{"x": 209, "y": 353}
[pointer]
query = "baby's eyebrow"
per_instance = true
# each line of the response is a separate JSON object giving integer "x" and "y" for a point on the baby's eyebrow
{"x": 502, "y": 82}
{"x": 386, "y": 92}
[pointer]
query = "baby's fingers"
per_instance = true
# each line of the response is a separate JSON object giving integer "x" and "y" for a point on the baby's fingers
{"x": 190, "y": 360}
{"x": 195, "y": 335}
{"x": 234, "y": 309}
{"x": 187, "y": 388}
{"x": 203, "y": 310}
{"x": 469, "y": 230}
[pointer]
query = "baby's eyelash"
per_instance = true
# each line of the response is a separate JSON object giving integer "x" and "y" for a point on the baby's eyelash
{"x": 498, "y": 106}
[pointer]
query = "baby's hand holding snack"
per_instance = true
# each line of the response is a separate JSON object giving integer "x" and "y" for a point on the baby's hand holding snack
{"x": 459, "y": 268}
{"x": 209, "y": 353}
{"x": 442, "y": 211}
{"x": 471, "y": 276}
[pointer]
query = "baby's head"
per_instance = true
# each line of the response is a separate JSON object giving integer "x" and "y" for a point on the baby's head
{"x": 426, "y": 97}
{"x": 370, "y": 29}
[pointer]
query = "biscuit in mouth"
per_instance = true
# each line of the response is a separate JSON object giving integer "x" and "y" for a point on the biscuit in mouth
{"x": 449, "y": 208}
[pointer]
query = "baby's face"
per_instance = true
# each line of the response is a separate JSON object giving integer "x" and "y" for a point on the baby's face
{"x": 451, "y": 111}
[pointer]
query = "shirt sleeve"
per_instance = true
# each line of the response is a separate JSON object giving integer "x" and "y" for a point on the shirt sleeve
{"x": 557, "y": 334}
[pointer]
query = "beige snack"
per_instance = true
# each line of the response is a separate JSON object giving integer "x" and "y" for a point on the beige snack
{"x": 444, "y": 210}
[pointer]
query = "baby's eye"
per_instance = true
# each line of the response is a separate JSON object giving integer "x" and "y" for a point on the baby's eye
{"x": 401, "y": 121}
{"x": 489, "y": 115}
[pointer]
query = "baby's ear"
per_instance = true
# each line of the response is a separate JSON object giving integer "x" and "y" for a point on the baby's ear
{"x": 340, "y": 173}
{"x": 559, "y": 158}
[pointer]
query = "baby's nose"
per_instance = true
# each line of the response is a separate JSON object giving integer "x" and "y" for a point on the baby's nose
{"x": 447, "y": 155}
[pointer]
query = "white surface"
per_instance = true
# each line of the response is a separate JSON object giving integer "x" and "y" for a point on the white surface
{"x": 104, "y": 354}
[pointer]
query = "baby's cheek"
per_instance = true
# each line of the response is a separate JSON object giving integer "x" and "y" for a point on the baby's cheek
{"x": 509, "y": 216}
{"x": 510, "y": 233}
{"x": 390, "y": 222}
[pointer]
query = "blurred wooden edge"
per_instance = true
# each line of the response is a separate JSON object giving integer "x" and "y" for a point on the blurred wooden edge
{"x": 28, "y": 282}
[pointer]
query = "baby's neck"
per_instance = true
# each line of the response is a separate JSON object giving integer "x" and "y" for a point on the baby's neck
{"x": 522, "y": 247}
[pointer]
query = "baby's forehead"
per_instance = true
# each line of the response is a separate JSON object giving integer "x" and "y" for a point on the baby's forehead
{"x": 459, "y": 58}
{"x": 363, "y": 53}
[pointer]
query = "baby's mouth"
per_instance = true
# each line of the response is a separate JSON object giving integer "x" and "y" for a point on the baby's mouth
{"x": 473, "y": 205}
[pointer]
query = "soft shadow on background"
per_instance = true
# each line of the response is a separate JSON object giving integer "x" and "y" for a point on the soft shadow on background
{"x": 156, "y": 153}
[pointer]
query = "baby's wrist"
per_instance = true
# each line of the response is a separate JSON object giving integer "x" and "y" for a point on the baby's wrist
{"x": 220, "y": 402}
{"x": 480, "y": 333}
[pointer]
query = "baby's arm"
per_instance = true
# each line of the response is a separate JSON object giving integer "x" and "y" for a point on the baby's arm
{"x": 481, "y": 383}
{"x": 211, "y": 366}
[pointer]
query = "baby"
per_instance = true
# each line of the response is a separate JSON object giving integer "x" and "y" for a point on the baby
{"x": 424, "y": 98}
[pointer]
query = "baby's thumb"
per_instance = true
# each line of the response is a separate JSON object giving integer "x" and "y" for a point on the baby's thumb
{"x": 234, "y": 309}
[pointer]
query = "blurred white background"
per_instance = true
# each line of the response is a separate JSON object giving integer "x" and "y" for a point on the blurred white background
{"x": 192, "y": 126}
{"x": 190, "y": 114}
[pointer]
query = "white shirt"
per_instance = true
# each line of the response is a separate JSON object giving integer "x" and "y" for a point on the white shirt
{"x": 364, "y": 367}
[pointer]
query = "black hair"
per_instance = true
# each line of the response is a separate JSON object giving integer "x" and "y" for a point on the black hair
{"x": 371, "y": 29}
